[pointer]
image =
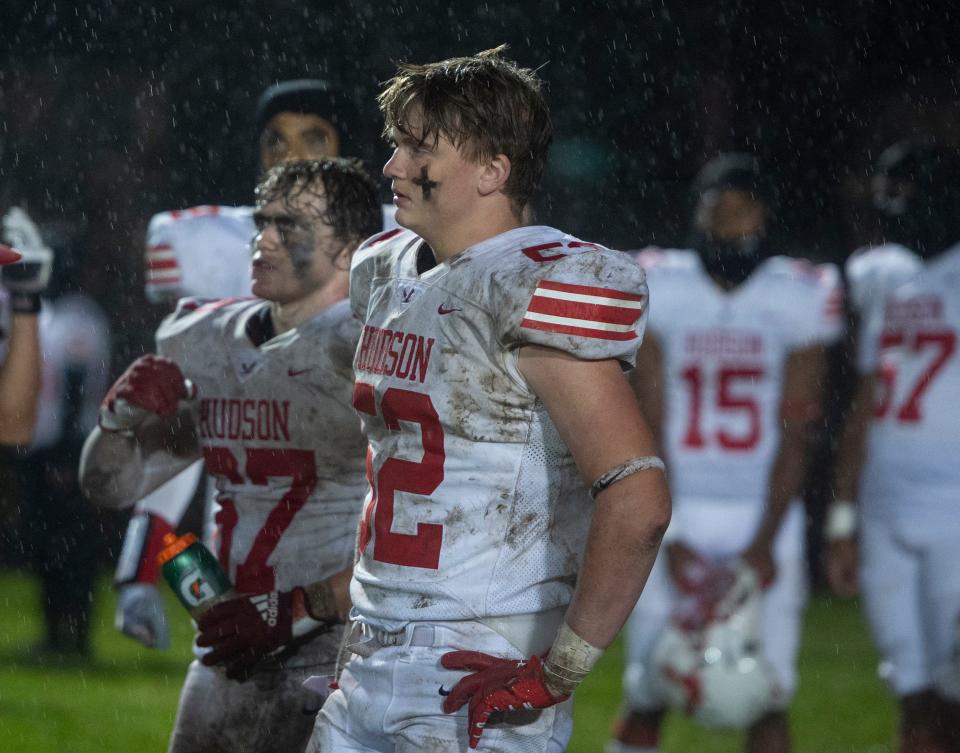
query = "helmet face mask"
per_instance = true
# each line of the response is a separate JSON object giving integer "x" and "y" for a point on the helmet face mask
{"x": 731, "y": 204}
{"x": 916, "y": 194}
{"x": 714, "y": 669}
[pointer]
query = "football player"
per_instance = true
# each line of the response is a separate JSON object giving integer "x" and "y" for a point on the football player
{"x": 27, "y": 262}
{"x": 730, "y": 375}
{"x": 273, "y": 423}
{"x": 489, "y": 377}
{"x": 205, "y": 251}
{"x": 897, "y": 458}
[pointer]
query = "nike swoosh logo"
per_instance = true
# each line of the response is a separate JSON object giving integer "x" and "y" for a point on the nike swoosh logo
{"x": 443, "y": 691}
{"x": 298, "y": 372}
{"x": 443, "y": 311}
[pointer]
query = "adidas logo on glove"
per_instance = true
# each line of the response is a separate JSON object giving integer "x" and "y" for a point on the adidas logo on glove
{"x": 268, "y": 605}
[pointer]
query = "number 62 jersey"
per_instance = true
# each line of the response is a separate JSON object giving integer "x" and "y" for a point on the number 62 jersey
{"x": 476, "y": 506}
{"x": 278, "y": 435}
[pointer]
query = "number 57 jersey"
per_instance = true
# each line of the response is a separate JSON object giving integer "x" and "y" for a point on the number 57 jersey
{"x": 476, "y": 507}
{"x": 908, "y": 341}
{"x": 724, "y": 354}
{"x": 278, "y": 435}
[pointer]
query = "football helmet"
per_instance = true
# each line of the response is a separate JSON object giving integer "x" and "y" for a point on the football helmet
{"x": 731, "y": 203}
{"x": 708, "y": 660}
{"x": 915, "y": 190}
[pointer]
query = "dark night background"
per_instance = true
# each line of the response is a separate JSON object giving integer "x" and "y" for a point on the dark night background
{"x": 112, "y": 111}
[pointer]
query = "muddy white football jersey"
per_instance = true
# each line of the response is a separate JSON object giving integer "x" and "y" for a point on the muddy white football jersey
{"x": 723, "y": 360}
{"x": 476, "y": 508}
{"x": 204, "y": 251}
{"x": 909, "y": 341}
{"x": 201, "y": 251}
{"x": 278, "y": 434}
{"x": 872, "y": 272}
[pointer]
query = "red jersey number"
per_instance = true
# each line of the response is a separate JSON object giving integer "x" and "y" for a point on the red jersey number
{"x": 939, "y": 344}
{"x": 732, "y": 397}
{"x": 254, "y": 575}
{"x": 421, "y": 549}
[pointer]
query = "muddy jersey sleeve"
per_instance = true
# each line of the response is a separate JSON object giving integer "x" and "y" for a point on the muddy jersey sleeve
{"x": 366, "y": 262}
{"x": 202, "y": 250}
{"x": 591, "y": 304}
{"x": 170, "y": 334}
{"x": 819, "y": 316}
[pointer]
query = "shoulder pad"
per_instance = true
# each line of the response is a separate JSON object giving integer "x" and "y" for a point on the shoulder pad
{"x": 591, "y": 302}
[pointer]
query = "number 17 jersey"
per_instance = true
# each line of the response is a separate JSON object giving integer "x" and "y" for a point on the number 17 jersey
{"x": 476, "y": 506}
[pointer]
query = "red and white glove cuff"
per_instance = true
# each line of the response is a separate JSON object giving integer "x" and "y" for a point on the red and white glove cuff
{"x": 141, "y": 545}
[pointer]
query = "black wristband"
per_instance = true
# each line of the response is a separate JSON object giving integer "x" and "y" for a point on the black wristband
{"x": 25, "y": 303}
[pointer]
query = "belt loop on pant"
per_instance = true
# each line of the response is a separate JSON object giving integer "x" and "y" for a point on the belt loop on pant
{"x": 423, "y": 635}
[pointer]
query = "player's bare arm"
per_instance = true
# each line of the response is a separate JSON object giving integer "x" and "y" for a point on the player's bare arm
{"x": 647, "y": 382}
{"x": 598, "y": 417}
{"x": 20, "y": 382}
{"x": 842, "y": 555}
{"x": 27, "y": 263}
{"x": 800, "y": 403}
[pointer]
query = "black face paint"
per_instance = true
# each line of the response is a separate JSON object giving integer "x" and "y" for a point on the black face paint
{"x": 426, "y": 185}
{"x": 296, "y": 236}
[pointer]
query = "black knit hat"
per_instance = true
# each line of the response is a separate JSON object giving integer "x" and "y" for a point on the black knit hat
{"x": 312, "y": 97}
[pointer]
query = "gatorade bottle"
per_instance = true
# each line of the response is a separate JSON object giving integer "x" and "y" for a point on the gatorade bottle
{"x": 193, "y": 573}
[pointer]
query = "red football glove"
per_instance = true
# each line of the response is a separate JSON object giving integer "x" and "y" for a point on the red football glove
{"x": 9, "y": 255}
{"x": 150, "y": 385}
{"x": 495, "y": 685}
{"x": 244, "y": 630}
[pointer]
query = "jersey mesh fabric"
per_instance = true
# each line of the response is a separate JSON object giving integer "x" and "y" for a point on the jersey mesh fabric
{"x": 537, "y": 544}
{"x": 504, "y": 522}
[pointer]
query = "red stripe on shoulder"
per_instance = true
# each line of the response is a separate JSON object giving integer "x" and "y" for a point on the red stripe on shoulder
{"x": 586, "y": 311}
{"x": 588, "y": 290}
{"x": 219, "y": 304}
{"x": 384, "y": 236}
{"x": 563, "y": 329}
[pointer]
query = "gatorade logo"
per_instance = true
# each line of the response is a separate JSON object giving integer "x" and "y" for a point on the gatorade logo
{"x": 268, "y": 606}
{"x": 195, "y": 589}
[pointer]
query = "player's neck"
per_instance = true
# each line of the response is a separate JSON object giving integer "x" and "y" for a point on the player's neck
{"x": 287, "y": 316}
{"x": 450, "y": 240}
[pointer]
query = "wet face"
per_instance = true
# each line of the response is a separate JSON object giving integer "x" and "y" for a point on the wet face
{"x": 730, "y": 214}
{"x": 433, "y": 184}
{"x": 290, "y": 136}
{"x": 294, "y": 252}
{"x": 892, "y": 195}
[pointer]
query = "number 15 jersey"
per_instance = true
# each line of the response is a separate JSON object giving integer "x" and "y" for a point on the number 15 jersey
{"x": 724, "y": 354}
{"x": 476, "y": 507}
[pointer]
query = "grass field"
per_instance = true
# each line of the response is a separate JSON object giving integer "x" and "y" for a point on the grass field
{"x": 124, "y": 700}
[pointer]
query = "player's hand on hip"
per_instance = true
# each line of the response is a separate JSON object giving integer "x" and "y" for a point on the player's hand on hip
{"x": 140, "y": 615}
{"x": 242, "y": 631}
{"x": 843, "y": 567}
{"x": 151, "y": 386}
{"x": 495, "y": 685}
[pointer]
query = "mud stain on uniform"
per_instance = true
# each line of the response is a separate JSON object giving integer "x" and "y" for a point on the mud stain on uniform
{"x": 516, "y": 535}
